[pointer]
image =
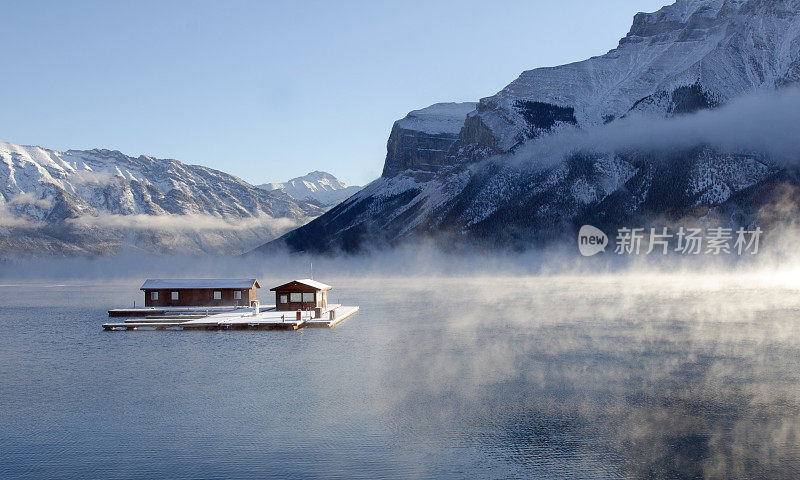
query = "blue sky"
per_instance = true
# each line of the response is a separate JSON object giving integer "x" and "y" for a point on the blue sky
{"x": 272, "y": 90}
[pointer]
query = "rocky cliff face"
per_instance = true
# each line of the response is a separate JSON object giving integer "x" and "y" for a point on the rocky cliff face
{"x": 422, "y": 140}
{"x": 100, "y": 201}
{"x": 489, "y": 184}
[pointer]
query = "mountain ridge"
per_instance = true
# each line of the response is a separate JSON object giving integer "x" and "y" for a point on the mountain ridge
{"x": 96, "y": 202}
{"x": 486, "y": 185}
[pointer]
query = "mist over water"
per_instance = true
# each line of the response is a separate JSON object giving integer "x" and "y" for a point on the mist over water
{"x": 450, "y": 370}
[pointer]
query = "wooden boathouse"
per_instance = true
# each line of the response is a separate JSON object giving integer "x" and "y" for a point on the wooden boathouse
{"x": 305, "y": 294}
{"x": 200, "y": 292}
{"x": 216, "y": 304}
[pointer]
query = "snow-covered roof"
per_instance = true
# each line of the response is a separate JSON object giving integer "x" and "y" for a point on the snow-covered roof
{"x": 199, "y": 283}
{"x": 305, "y": 281}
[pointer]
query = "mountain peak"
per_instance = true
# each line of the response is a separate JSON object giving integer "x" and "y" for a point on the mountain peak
{"x": 318, "y": 175}
{"x": 720, "y": 48}
{"x": 317, "y": 187}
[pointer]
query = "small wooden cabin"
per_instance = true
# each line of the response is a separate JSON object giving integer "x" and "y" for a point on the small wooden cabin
{"x": 200, "y": 292}
{"x": 305, "y": 294}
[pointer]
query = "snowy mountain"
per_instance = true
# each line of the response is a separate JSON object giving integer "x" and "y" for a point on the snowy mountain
{"x": 691, "y": 55}
{"x": 533, "y": 162}
{"x": 317, "y": 187}
{"x": 100, "y": 201}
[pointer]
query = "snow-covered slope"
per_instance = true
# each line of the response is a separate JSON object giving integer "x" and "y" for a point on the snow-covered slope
{"x": 316, "y": 187}
{"x": 690, "y": 55}
{"x": 101, "y": 201}
{"x": 489, "y": 182}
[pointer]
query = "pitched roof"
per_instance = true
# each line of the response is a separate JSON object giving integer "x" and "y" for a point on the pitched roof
{"x": 305, "y": 281}
{"x": 199, "y": 283}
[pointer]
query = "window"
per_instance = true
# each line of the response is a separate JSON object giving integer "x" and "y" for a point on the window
{"x": 217, "y": 295}
{"x": 237, "y": 295}
{"x": 308, "y": 297}
{"x": 174, "y": 295}
{"x": 153, "y": 295}
{"x": 284, "y": 299}
{"x": 295, "y": 297}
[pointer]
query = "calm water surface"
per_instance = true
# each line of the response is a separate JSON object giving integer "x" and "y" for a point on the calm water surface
{"x": 517, "y": 377}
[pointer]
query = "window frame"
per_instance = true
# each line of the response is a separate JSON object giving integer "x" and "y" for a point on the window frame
{"x": 174, "y": 296}
{"x": 217, "y": 294}
{"x": 292, "y": 297}
{"x": 237, "y": 294}
{"x": 283, "y": 298}
{"x": 313, "y": 297}
{"x": 154, "y": 295}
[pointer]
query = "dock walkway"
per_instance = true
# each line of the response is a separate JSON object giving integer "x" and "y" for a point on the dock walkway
{"x": 200, "y": 318}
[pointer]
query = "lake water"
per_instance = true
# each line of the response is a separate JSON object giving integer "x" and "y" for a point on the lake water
{"x": 497, "y": 377}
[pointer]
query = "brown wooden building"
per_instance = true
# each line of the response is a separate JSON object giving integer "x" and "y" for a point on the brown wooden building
{"x": 305, "y": 294}
{"x": 200, "y": 292}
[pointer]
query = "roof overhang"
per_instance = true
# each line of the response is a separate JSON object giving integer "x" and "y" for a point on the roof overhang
{"x": 306, "y": 282}
{"x": 199, "y": 283}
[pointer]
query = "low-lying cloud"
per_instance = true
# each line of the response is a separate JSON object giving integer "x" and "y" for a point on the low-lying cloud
{"x": 90, "y": 177}
{"x": 181, "y": 223}
{"x": 9, "y": 220}
{"x": 763, "y": 122}
{"x": 30, "y": 198}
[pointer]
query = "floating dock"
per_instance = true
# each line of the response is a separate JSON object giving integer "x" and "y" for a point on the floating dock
{"x": 152, "y": 311}
{"x": 202, "y": 318}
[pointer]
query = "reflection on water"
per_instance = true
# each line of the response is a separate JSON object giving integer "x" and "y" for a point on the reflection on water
{"x": 617, "y": 377}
